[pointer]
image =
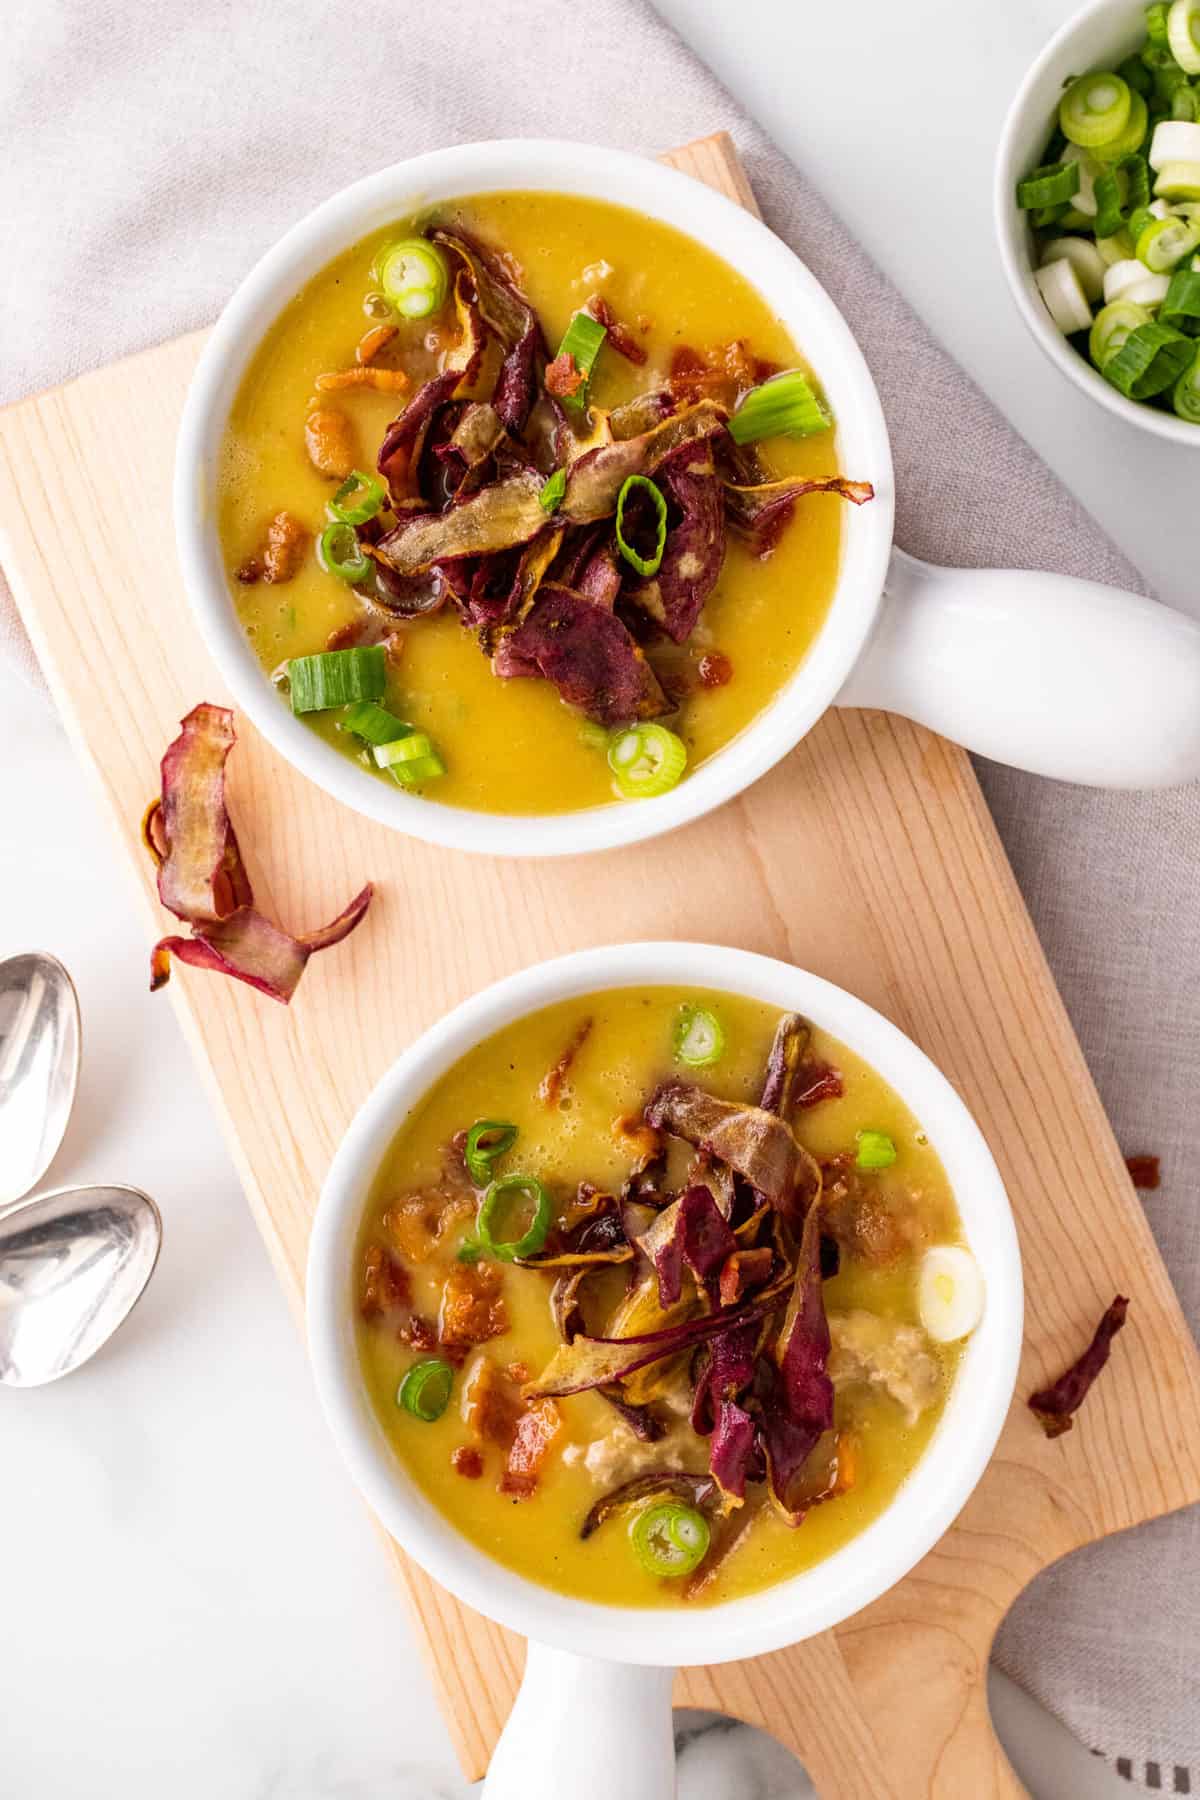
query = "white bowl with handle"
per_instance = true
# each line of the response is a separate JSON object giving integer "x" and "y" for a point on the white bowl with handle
{"x": 1100, "y": 36}
{"x": 1028, "y": 669}
{"x": 580, "y": 1674}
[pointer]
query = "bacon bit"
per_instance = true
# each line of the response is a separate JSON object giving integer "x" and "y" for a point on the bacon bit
{"x": 1055, "y": 1407}
{"x": 741, "y": 1270}
{"x": 473, "y": 1308}
{"x": 418, "y": 1222}
{"x": 866, "y": 1221}
{"x": 551, "y": 1085}
{"x": 816, "y": 1082}
{"x": 372, "y": 342}
{"x": 723, "y": 373}
{"x": 619, "y": 336}
{"x": 715, "y": 670}
{"x": 418, "y": 1332}
{"x": 467, "y": 1462}
{"x": 249, "y": 572}
{"x": 286, "y": 539}
{"x": 387, "y": 381}
{"x": 632, "y": 1134}
{"x": 1144, "y": 1171}
{"x": 367, "y": 628}
{"x": 564, "y": 377}
{"x": 385, "y": 1283}
{"x": 536, "y": 1431}
{"x": 330, "y": 441}
{"x": 491, "y": 1404}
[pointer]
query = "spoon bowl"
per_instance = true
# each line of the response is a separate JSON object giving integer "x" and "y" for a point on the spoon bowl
{"x": 39, "y": 1067}
{"x": 73, "y": 1264}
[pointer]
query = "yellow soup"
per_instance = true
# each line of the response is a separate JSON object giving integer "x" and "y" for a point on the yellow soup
{"x": 513, "y": 745}
{"x": 576, "y": 1099}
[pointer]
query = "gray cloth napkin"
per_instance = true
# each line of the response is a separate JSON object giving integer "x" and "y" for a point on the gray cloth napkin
{"x": 152, "y": 152}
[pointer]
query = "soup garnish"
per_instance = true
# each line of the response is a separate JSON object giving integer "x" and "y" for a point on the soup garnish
{"x": 1114, "y": 209}
{"x": 676, "y": 1316}
{"x": 1055, "y": 1407}
{"x": 202, "y": 878}
{"x": 589, "y": 520}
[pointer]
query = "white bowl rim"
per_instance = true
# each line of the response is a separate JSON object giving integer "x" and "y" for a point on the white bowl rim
{"x": 1011, "y": 227}
{"x": 878, "y": 1557}
{"x": 643, "y": 185}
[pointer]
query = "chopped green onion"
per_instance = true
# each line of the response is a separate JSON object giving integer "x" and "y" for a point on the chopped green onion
{"x": 646, "y": 760}
{"x": 1178, "y": 181}
{"x": 1156, "y": 24}
{"x": 698, "y": 1038}
{"x": 783, "y": 406}
{"x": 1185, "y": 396}
{"x": 553, "y": 490}
{"x": 340, "y": 553}
{"x": 1111, "y": 326}
{"x": 414, "y": 277}
{"x": 1152, "y": 358}
{"x": 425, "y": 1390}
{"x": 486, "y": 1140}
{"x": 1183, "y": 34}
{"x": 374, "y": 724}
{"x": 1166, "y": 242}
{"x": 1049, "y": 186}
{"x": 1183, "y": 104}
{"x": 1072, "y": 220}
{"x": 669, "y": 1538}
{"x": 1083, "y": 257}
{"x": 1181, "y": 308}
{"x": 358, "y": 499}
{"x": 641, "y": 484}
{"x": 582, "y": 340}
{"x": 593, "y": 735}
{"x": 337, "y": 677}
{"x": 1095, "y": 109}
{"x": 495, "y": 1200}
{"x": 875, "y": 1150}
{"x": 410, "y": 759}
{"x": 1063, "y": 294}
{"x": 1121, "y": 190}
{"x": 1131, "y": 138}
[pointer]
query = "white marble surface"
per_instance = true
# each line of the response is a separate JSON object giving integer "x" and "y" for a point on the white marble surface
{"x": 193, "y": 1601}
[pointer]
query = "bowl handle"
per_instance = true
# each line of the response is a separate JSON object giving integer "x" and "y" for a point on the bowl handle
{"x": 586, "y": 1730}
{"x": 1061, "y": 677}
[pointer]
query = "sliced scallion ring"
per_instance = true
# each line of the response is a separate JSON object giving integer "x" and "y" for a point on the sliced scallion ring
{"x": 1066, "y": 302}
{"x": 340, "y": 553}
{"x": 1131, "y": 138}
{"x": 409, "y": 759}
{"x": 486, "y": 1140}
{"x": 499, "y": 1197}
{"x": 782, "y": 406}
{"x": 1183, "y": 34}
{"x": 633, "y": 486}
{"x": 1174, "y": 140}
{"x": 698, "y": 1038}
{"x": 337, "y": 678}
{"x": 425, "y": 1390}
{"x": 1181, "y": 308}
{"x": 1083, "y": 257}
{"x": 1178, "y": 181}
{"x": 358, "y": 499}
{"x": 1166, "y": 242}
{"x": 646, "y": 760}
{"x": 1185, "y": 396}
{"x": 414, "y": 277}
{"x": 1152, "y": 358}
{"x": 1111, "y": 326}
{"x": 669, "y": 1539}
{"x": 1050, "y": 185}
{"x": 373, "y": 724}
{"x": 1095, "y": 109}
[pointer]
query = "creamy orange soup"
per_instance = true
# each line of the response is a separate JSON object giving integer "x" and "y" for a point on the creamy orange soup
{"x": 514, "y": 745}
{"x": 575, "y": 1098}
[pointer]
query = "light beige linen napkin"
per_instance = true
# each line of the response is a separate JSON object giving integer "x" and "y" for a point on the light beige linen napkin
{"x": 150, "y": 152}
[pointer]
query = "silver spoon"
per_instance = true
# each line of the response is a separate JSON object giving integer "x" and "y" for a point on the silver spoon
{"x": 73, "y": 1263}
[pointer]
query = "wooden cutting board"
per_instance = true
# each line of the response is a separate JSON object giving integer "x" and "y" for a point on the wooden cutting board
{"x": 867, "y": 855}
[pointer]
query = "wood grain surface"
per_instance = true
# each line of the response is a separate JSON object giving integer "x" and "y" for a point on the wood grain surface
{"x": 867, "y": 855}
